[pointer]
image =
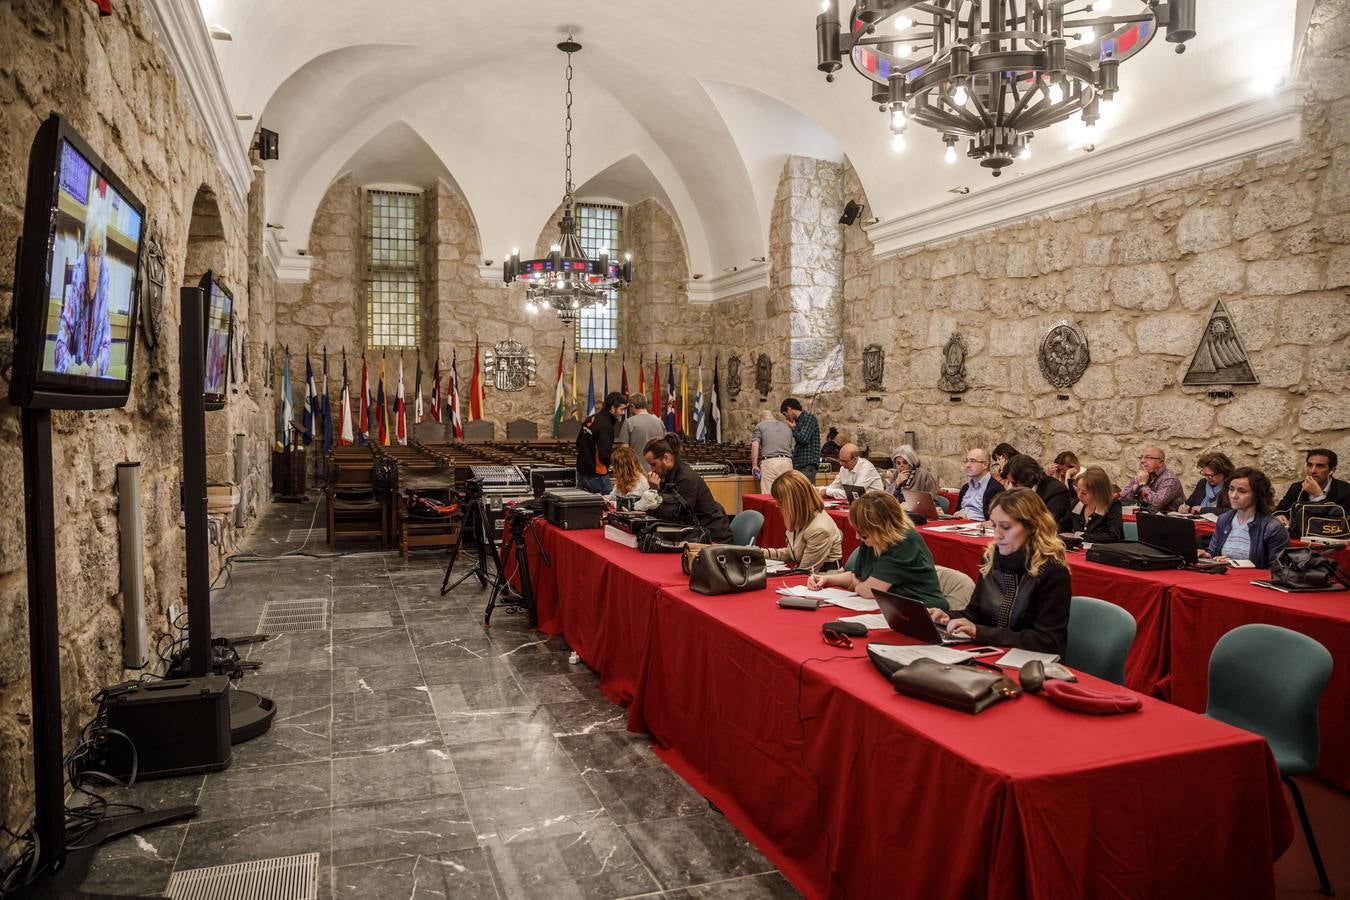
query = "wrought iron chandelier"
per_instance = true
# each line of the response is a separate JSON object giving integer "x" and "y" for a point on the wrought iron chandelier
{"x": 567, "y": 279}
{"x": 993, "y": 71}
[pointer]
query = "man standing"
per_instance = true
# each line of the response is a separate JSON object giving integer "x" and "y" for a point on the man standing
{"x": 1319, "y": 485}
{"x": 1154, "y": 486}
{"x": 854, "y": 470}
{"x": 685, "y": 498}
{"x": 641, "y": 427}
{"x": 980, "y": 487}
{"x": 805, "y": 437}
{"x": 595, "y": 441}
{"x": 770, "y": 450}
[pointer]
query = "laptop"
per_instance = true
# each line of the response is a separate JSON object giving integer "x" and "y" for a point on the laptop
{"x": 910, "y": 618}
{"x": 852, "y": 491}
{"x": 922, "y": 503}
{"x": 1170, "y": 533}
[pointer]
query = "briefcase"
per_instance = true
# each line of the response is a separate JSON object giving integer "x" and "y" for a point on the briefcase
{"x": 573, "y": 509}
{"x": 1134, "y": 555}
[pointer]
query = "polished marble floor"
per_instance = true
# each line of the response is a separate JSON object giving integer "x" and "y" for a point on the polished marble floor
{"x": 424, "y": 758}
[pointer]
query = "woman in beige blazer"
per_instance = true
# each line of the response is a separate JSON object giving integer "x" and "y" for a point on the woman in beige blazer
{"x": 814, "y": 541}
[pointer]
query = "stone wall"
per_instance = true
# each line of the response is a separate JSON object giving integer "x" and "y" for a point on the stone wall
{"x": 115, "y": 85}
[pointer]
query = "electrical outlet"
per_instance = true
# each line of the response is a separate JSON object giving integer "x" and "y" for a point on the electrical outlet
{"x": 175, "y": 610}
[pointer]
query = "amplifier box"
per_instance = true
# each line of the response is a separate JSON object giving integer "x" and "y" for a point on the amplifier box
{"x": 178, "y": 727}
{"x": 573, "y": 509}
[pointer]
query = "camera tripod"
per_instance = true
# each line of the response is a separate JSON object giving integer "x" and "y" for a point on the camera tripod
{"x": 518, "y": 521}
{"x": 478, "y": 526}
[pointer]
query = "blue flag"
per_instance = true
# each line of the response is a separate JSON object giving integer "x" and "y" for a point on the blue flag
{"x": 327, "y": 408}
{"x": 311, "y": 397}
{"x": 287, "y": 404}
{"x": 590, "y": 390}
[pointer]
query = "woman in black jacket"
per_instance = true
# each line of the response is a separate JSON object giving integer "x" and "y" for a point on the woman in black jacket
{"x": 1023, "y": 471}
{"x": 1022, "y": 598}
{"x": 1097, "y": 517}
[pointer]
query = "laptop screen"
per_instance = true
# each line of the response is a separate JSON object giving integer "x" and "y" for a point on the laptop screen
{"x": 1169, "y": 533}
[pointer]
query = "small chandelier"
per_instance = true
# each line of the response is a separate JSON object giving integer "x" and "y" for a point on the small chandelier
{"x": 567, "y": 279}
{"x": 993, "y": 72}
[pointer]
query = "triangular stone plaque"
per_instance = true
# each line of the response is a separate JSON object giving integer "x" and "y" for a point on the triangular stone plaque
{"x": 1220, "y": 358}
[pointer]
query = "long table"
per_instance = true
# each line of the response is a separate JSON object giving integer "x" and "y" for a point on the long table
{"x": 1179, "y": 616}
{"x": 855, "y": 791}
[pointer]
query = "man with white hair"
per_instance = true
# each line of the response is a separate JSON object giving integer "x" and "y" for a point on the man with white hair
{"x": 855, "y": 470}
{"x": 770, "y": 450}
{"x": 1155, "y": 485}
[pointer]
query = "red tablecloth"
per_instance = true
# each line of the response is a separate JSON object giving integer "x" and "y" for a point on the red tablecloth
{"x": 1203, "y": 613}
{"x": 855, "y": 791}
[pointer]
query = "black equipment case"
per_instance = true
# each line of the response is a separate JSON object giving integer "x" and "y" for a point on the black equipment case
{"x": 178, "y": 727}
{"x": 1134, "y": 555}
{"x": 573, "y": 508}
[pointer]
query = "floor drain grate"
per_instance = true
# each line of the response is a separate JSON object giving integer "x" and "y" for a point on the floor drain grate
{"x": 298, "y": 535}
{"x": 282, "y": 878}
{"x": 294, "y": 615}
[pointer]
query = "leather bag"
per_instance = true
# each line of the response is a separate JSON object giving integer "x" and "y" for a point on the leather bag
{"x": 669, "y": 538}
{"x": 1323, "y": 520}
{"x": 727, "y": 569}
{"x": 691, "y": 550}
{"x": 965, "y": 688}
{"x": 1302, "y": 567}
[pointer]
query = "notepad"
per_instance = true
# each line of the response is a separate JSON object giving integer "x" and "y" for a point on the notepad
{"x": 1016, "y": 658}
{"x": 832, "y": 596}
{"x": 774, "y": 566}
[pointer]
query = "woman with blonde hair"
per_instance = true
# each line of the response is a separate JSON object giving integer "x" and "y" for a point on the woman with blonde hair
{"x": 626, "y": 470}
{"x": 1097, "y": 517}
{"x": 893, "y": 557}
{"x": 813, "y": 540}
{"x": 1022, "y": 598}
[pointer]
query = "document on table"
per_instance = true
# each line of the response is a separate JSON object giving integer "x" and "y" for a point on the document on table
{"x": 1016, "y": 658}
{"x": 774, "y": 566}
{"x": 870, "y": 621}
{"x": 972, "y": 528}
{"x": 909, "y": 653}
{"x": 832, "y": 596}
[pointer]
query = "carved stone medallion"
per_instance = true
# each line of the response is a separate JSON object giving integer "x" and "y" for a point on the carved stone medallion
{"x": 873, "y": 367}
{"x": 733, "y": 375}
{"x": 1220, "y": 358}
{"x": 152, "y": 305}
{"x": 509, "y": 366}
{"x": 763, "y": 374}
{"x": 1064, "y": 354}
{"x": 953, "y": 377}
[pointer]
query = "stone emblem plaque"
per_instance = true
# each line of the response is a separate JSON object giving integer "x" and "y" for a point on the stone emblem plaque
{"x": 873, "y": 367}
{"x": 953, "y": 377}
{"x": 763, "y": 374}
{"x": 1220, "y": 358}
{"x": 1064, "y": 354}
{"x": 153, "y": 307}
{"x": 733, "y": 375}
{"x": 509, "y": 366}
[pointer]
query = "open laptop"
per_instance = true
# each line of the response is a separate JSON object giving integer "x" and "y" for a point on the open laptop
{"x": 1170, "y": 533}
{"x": 922, "y": 503}
{"x": 852, "y": 491}
{"x": 910, "y": 618}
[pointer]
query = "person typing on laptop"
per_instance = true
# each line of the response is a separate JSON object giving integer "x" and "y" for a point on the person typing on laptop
{"x": 892, "y": 554}
{"x": 1097, "y": 518}
{"x": 854, "y": 471}
{"x": 1022, "y": 597}
{"x": 1249, "y": 530}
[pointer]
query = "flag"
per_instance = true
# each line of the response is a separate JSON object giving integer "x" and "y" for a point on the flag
{"x": 287, "y": 403}
{"x": 476, "y": 388}
{"x": 419, "y": 415}
{"x": 327, "y": 408}
{"x": 672, "y": 422}
{"x": 715, "y": 408}
{"x": 372, "y": 426}
{"x": 382, "y": 408}
{"x": 623, "y": 384}
{"x": 604, "y": 360}
{"x": 345, "y": 435}
{"x": 642, "y": 377}
{"x": 576, "y": 413}
{"x": 436, "y": 391}
{"x": 452, "y": 388}
{"x": 684, "y": 398}
{"x": 400, "y": 407}
{"x": 363, "y": 423}
{"x": 590, "y": 388}
{"x": 700, "y": 425}
{"x": 558, "y": 400}
{"x": 307, "y": 417}
{"x": 656, "y": 387}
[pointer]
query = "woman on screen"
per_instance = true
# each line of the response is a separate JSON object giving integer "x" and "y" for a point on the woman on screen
{"x": 84, "y": 333}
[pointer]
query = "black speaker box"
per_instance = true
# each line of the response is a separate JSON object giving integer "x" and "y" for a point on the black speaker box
{"x": 178, "y": 727}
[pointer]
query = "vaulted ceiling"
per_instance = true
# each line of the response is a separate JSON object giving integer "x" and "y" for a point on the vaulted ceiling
{"x": 695, "y": 103}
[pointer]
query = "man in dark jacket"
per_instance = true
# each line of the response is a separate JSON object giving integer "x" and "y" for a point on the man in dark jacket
{"x": 685, "y": 498}
{"x": 1027, "y": 472}
{"x": 1319, "y": 486}
{"x": 595, "y": 441}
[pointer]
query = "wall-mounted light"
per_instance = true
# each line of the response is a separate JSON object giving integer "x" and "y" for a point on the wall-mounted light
{"x": 244, "y": 117}
{"x": 219, "y": 33}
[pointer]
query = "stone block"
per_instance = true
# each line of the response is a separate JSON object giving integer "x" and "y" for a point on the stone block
{"x": 1271, "y": 205}
{"x": 1109, "y": 337}
{"x": 1097, "y": 251}
{"x": 1020, "y": 262}
{"x": 1209, "y": 276}
{"x": 1109, "y": 416}
{"x": 1283, "y": 276}
{"x": 1279, "y": 366}
{"x": 955, "y": 261}
{"x": 1175, "y": 417}
{"x": 1174, "y": 334}
{"x": 1015, "y": 338}
{"x": 1142, "y": 287}
{"x": 1144, "y": 242}
{"x": 1329, "y": 367}
{"x": 1325, "y": 412}
{"x": 1335, "y": 196}
{"x": 1255, "y": 412}
{"x": 1316, "y": 319}
{"x": 1056, "y": 251}
{"x": 1144, "y": 376}
{"x": 1097, "y": 383}
{"x": 967, "y": 293}
{"x": 1087, "y": 290}
{"x": 1338, "y": 267}
{"x": 1204, "y": 228}
{"x": 1256, "y": 320}
{"x": 991, "y": 260}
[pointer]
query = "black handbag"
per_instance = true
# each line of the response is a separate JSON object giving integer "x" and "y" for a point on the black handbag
{"x": 965, "y": 688}
{"x": 670, "y": 538}
{"x": 1323, "y": 520}
{"x": 727, "y": 569}
{"x": 1302, "y": 567}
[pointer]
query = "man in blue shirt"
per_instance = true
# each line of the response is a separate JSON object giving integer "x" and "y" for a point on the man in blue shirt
{"x": 980, "y": 487}
{"x": 805, "y": 437}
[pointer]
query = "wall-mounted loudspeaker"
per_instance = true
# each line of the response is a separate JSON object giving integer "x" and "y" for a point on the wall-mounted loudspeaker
{"x": 132, "y": 563}
{"x": 267, "y": 144}
{"x": 852, "y": 209}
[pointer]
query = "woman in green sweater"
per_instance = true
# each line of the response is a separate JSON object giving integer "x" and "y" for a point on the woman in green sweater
{"x": 893, "y": 556}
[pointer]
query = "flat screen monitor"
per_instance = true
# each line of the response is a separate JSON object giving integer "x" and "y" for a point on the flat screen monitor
{"x": 77, "y": 286}
{"x": 219, "y": 332}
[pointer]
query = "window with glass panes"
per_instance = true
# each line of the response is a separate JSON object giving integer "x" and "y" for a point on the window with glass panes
{"x": 393, "y": 268}
{"x": 598, "y": 228}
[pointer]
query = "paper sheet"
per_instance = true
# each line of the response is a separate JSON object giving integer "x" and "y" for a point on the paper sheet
{"x": 774, "y": 566}
{"x": 1016, "y": 658}
{"x": 870, "y": 621}
{"x": 907, "y": 654}
{"x": 832, "y": 596}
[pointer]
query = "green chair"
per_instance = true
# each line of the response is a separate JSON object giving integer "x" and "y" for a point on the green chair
{"x": 848, "y": 564}
{"x": 1100, "y": 636}
{"x": 1131, "y": 531}
{"x": 943, "y": 503}
{"x": 1268, "y": 680}
{"x": 745, "y": 527}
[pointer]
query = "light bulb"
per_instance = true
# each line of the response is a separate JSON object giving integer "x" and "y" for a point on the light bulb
{"x": 898, "y": 142}
{"x": 554, "y": 248}
{"x": 903, "y": 49}
{"x": 898, "y": 120}
{"x": 825, "y": 6}
{"x": 628, "y": 257}
{"x": 903, "y": 23}
{"x": 604, "y": 251}
{"x": 1025, "y": 152}
{"x": 950, "y": 155}
{"x": 1102, "y": 6}
{"x": 960, "y": 96}
{"x": 515, "y": 251}
{"x": 1088, "y": 35}
{"x": 1056, "y": 92}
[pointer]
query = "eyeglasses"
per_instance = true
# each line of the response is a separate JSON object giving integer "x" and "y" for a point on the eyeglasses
{"x": 971, "y": 459}
{"x": 1155, "y": 458}
{"x": 1208, "y": 474}
{"x": 835, "y": 639}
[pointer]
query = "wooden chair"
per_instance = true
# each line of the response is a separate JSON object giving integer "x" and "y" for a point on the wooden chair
{"x": 521, "y": 430}
{"x": 355, "y": 508}
{"x": 479, "y": 431}
{"x": 419, "y": 532}
{"x": 569, "y": 430}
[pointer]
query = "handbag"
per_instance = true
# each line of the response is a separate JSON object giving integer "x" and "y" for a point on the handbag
{"x": 727, "y": 569}
{"x": 966, "y": 688}
{"x": 1323, "y": 520}
{"x": 691, "y": 550}
{"x": 670, "y": 538}
{"x": 1302, "y": 567}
